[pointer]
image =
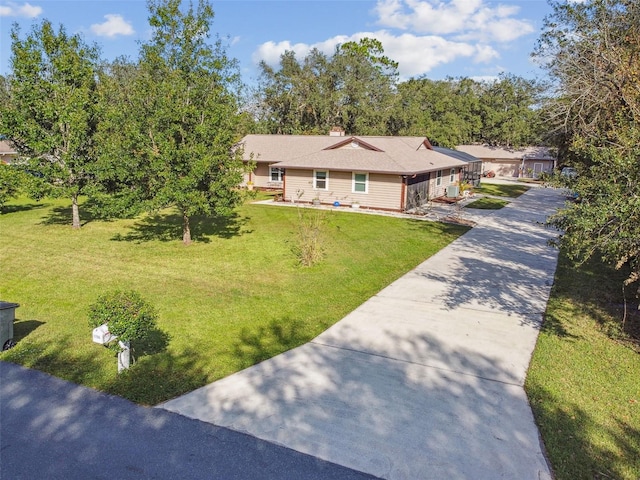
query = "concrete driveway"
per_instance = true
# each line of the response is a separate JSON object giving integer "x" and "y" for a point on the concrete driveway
{"x": 425, "y": 379}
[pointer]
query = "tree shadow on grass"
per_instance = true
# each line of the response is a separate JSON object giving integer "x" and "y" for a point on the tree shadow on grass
{"x": 156, "y": 376}
{"x": 25, "y": 207}
{"x": 157, "y": 341}
{"x": 261, "y": 343}
{"x": 595, "y": 289}
{"x": 62, "y": 215}
{"x": 574, "y": 450}
{"x": 168, "y": 228}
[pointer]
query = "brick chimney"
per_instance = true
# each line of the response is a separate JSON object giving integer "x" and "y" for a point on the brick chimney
{"x": 336, "y": 132}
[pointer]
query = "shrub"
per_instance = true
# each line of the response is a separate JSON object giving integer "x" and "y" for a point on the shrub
{"x": 126, "y": 313}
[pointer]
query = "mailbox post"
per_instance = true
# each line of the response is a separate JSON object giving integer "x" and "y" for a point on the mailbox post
{"x": 103, "y": 336}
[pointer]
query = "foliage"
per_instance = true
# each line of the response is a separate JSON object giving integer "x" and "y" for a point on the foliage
{"x": 606, "y": 219}
{"x": 11, "y": 183}
{"x": 50, "y": 113}
{"x": 352, "y": 89}
{"x": 591, "y": 52}
{"x": 310, "y": 246}
{"x": 508, "y": 114}
{"x": 171, "y": 121}
{"x": 126, "y": 313}
{"x": 357, "y": 89}
{"x": 447, "y": 111}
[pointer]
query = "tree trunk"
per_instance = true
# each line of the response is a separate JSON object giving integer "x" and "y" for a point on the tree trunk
{"x": 186, "y": 229}
{"x": 75, "y": 212}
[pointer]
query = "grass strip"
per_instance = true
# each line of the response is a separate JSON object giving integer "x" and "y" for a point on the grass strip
{"x": 487, "y": 204}
{"x": 502, "y": 190}
{"x": 582, "y": 383}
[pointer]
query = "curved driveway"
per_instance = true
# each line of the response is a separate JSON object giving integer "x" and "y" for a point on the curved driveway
{"x": 423, "y": 380}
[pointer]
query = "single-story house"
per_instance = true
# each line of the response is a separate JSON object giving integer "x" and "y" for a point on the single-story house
{"x": 8, "y": 154}
{"x": 385, "y": 173}
{"x": 508, "y": 162}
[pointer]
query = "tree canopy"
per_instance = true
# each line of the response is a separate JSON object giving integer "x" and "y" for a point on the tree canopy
{"x": 357, "y": 89}
{"x": 49, "y": 110}
{"x": 592, "y": 55}
{"x": 171, "y": 120}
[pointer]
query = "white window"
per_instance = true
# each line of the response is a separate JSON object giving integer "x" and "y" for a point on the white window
{"x": 360, "y": 182}
{"x": 320, "y": 180}
{"x": 439, "y": 177}
{"x": 276, "y": 174}
{"x": 452, "y": 175}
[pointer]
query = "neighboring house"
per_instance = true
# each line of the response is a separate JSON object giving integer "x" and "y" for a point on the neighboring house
{"x": 507, "y": 162}
{"x": 386, "y": 173}
{"x": 8, "y": 154}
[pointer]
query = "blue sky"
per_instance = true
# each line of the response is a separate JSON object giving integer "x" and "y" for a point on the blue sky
{"x": 434, "y": 38}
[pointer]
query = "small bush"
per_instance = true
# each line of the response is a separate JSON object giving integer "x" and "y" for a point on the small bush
{"x": 126, "y": 313}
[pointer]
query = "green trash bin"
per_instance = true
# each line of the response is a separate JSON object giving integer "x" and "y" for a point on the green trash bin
{"x": 7, "y": 316}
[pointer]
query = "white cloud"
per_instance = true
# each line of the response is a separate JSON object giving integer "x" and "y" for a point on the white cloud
{"x": 415, "y": 54}
{"x": 113, "y": 26}
{"x": 460, "y": 19}
{"x": 424, "y": 34}
{"x": 12, "y": 9}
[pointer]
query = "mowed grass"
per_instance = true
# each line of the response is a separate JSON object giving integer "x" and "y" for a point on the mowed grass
{"x": 487, "y": 204}
{"x": 501, "y": 190}
{"x": 584, "y": 385}
{"x": 236, "y": 296}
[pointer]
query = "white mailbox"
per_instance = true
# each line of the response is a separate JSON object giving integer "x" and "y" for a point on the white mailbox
{"x": 102, "y": 335}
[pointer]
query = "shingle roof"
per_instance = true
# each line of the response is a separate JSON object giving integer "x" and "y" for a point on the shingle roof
{"x": 393, "y": 155}
{"x": 504, "y": 153}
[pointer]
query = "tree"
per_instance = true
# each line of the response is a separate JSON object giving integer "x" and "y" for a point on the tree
{"x": 445, "y": 111}
{"x": 352, "y": 89}
{"x": 365, "y": 83}
{"x": 509, "y": 117}
{"x": 172, "y": 125}
{"x": 591, "y": 51}
{"x": 50, "y": 113}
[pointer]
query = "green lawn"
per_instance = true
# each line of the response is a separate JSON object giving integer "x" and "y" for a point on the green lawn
{"x": 487, "y": 204}
{"x": 234, "y": 297}
{"x": 501, "y": 190}
{"x": 584, "y": 386}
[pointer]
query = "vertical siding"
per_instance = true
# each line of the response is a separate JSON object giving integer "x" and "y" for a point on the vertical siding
{"x": 383, "y": 191}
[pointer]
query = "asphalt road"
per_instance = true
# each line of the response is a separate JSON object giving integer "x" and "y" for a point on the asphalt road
{"x": 52, "y": 429}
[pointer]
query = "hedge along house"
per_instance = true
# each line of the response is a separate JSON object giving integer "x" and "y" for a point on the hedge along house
{"x": 384, "y": 173}
{"x": 527, "y": 162}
